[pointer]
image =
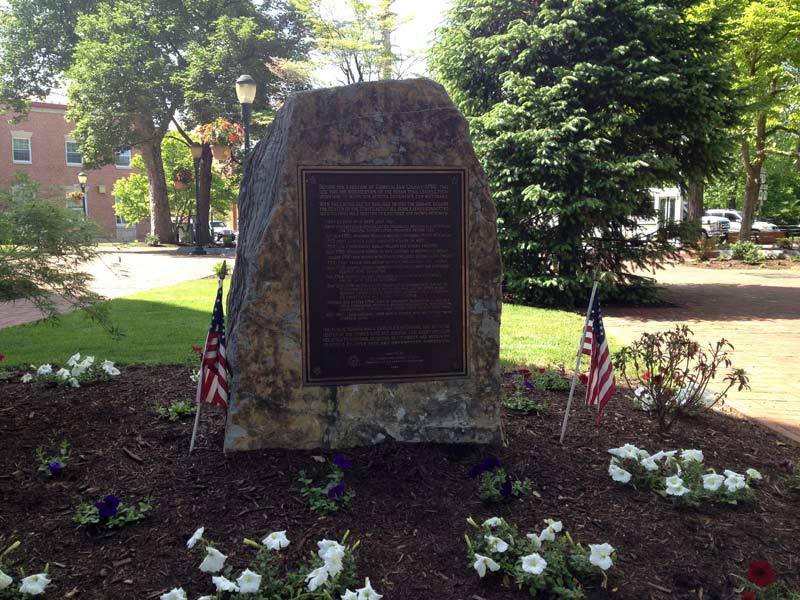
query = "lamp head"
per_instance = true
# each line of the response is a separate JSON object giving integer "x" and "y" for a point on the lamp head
{"x": 197, "y": 150}
{"x": 82, "y": 178}
{"x": 246, "y": 89}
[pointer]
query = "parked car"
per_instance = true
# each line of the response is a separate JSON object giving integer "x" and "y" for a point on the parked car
{"x": 715, "y": 227}
{"x": 670, "y": 205}
{"x": 220, "y": 230}
{"x": 735, "y": 218}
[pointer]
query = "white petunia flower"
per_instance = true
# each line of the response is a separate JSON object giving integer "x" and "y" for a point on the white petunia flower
{"x": 482, "y": 562}
{"x": 753, "y": 474}
{"x": 63, "y": 374}
{"x": 649, "y": 464}
{"x": 224, "y": 584}
{"x": 213, "y": 562}
{"x": 554, "y": 525}
{"x": 173, "y": 594}
{"x": 5, "y": 580}
{"x": 74, "y": 359}
{"x": 712, "y": 482}
{"x": 44, "y": 370}
{"x": 692, "y": 455}
{"x": 675, "y": 486}
{"x": 276, "y": 540}
{"x": 626, "y": 451}
{"x": 534, "y": 564}
{"x": 349, "y": 595}
{"x": 534, "y": 539}
{"x": 27, "y": 378}
{"x": 74, "y": 382}
{"x": 109, "y": 368}
{"x": 195, "y": 537}
{"x": 206, "y": 598}
{"x": 664, "y": 454}
{"x": 493, "y": 522}
{"x": 77, "y": 371}
{"x": 600, "y": 555}
{"x": 619, "y": 474}
{"x": 367, "y": 593}
{"x": 547, "y": 535}
{"x": 496, "y": 544}
{"x": 735, "y": 482}
{"x": 316, "y": 578}
{"x": 87, "y": 362}
{"x": 332, "y": 554}
{"x": 249, "y": 582}
{"x": 34, "y": 585}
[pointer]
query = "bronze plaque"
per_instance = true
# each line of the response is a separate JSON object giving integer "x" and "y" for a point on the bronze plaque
{"x": 384, "y": 274}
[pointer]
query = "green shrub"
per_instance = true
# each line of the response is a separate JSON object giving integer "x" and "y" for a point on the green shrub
{"x": 783, "y": 243}
{"x": 747, "y": 252}
{"x": 152, "y": 239}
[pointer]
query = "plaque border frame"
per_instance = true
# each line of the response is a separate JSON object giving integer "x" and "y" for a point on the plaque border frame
{"x": 302, "y": 170}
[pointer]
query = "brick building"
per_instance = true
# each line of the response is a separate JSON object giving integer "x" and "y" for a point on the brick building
{"x": 42, "y": 147}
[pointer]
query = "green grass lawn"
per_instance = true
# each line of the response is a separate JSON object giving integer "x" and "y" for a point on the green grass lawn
{"x": 161, "y": 325}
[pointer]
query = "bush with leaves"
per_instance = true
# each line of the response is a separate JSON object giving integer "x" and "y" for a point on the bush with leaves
{"x": 78, "y": 370}
{"x": 329, "y": 573}
{"x": 177, "y": 411}
{"x": 110, "y": 512}
{"x": 519, "y": 394}
{"x": 53, "y": 464}
{"x": 762, "y": 584}
{"x": 550, "y": 561}
{"x": 747, "y": 252}
{"x": 681, "y": 476}
{"x": 674, "y": 371}
{"x": 331, "y": 493}
{"x": 495, "y": 485}
{"x": 32, "y": 585}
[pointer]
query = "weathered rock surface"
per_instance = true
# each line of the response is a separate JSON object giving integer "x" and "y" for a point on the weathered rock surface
{"x": 391, "y": 123}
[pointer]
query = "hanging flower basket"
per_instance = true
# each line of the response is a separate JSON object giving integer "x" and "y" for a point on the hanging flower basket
{"x": 75, "y": 198}
{"x": 221, "y": 152}
{"x": 181, "y": 178}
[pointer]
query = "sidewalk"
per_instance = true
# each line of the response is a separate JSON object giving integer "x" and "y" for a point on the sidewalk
{"x": 757, "y": 310}
{"x": 122, "y": 271}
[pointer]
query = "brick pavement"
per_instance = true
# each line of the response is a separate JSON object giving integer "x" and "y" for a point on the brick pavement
{"x": 122, "y": 271}
{"x": 757, "y": 310}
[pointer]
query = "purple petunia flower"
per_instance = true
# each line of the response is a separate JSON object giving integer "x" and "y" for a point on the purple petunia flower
{"x": 341, "y": 461}
{"x": 490, "y": 463}
{"x": 107, "y": 507}
{"x": 336, "y": 491}
{"x": 55, "y": 468}
{"x": 505, "y": 489}
{"x": 529, "y": 385}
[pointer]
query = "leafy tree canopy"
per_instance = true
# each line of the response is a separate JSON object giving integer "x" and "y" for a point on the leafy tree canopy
{"x": 577, "y": 108}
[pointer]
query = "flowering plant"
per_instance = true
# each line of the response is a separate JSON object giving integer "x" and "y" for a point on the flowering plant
{"x": 793, "y": 472}
{"x": 330, "y": 494}
{"x": 682, "y": 476}
{"x": 540, "y": 562}
{"x": 53, "y": 465}
{"x": 520, "y": 395}
{"x": 221, "y": 132}
{"x": 762, "y": 584}
{"x": 495, "y": 484}
{"x": 178, "y": 410}
{"x": 551, "y": 380}
{"x": 674, "y": 373}
{"x": 110, "y": 512}
{"x": 182, "y": 175}
{"x": 32, "y": 585}
{"x": 329, "y": 573}
{"x": 75, "y": 197}
{"x": 78, "y": 370}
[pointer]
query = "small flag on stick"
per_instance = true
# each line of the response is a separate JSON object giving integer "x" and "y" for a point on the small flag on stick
{"x": 601, "y": 385}
{"x": 212, "y": 379}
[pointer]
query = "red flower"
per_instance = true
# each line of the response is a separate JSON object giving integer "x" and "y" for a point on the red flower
{"x": 584, "y": 379}
{"x": 541, "y": 369}
{"x": 2, "y": 357}
{"x": 646, "y": 376}
{"x": 748, "y": 596}
{"x": 197, "y": 349}
{"x": 761, "y": 573}
{"x": 526, "y": 373}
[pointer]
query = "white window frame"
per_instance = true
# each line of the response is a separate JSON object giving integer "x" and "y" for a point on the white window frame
{"x": 22, "y": 135}
{"x": 120, "y": 222}
{"x": 130, "y": 158}
{"x": 68, "y": 141}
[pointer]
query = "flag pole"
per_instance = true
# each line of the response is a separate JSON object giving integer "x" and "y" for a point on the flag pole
{"x": 577, "y": 364}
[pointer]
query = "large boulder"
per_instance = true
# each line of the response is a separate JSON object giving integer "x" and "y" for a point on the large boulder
{"x": 274, "y": 401}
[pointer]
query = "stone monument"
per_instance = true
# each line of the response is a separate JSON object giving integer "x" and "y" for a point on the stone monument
{"x": 365, "y": 301}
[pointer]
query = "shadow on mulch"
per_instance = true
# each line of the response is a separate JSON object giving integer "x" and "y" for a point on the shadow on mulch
{"x": 410, "y": 504}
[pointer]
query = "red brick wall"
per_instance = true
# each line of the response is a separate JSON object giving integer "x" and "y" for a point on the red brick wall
{"x": 48, "y": 134}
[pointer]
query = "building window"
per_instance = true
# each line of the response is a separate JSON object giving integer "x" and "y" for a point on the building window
{"x": 74, "y": 156}
{"x": 123, "y": 159}
{"x": 120, "y": 221}
{"x": 21, "y": 148}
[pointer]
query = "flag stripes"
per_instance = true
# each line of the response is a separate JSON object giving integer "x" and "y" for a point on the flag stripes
{"x": 601, "y": 385}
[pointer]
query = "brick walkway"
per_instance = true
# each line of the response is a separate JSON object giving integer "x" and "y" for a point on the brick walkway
{"x": 125, "y": 271}
{"x": 757, "y": 310}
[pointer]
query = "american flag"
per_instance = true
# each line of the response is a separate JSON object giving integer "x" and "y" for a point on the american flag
{"x": 601, "y": 385}
{"x": 212, "y": 381}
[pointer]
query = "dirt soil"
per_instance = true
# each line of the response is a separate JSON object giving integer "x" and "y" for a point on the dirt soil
{"x": 409, "y": 508}
{"x": 772, "y": 264}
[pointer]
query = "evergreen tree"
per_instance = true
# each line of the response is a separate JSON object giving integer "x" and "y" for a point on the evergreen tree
{"x": 577, "y": 107}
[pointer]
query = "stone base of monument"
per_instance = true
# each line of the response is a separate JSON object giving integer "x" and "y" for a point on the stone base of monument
{"x": 365, "y": 303}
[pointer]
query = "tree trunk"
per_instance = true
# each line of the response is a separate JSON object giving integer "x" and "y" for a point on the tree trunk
{"x": 695, "y": 189}
{"x": 752, "y": 176}
{"x": 205, "y": 196}
{"x": 160, "y": 222}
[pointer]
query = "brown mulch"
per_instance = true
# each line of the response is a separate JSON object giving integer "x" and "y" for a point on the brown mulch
{"x": 716, "y": 263}
{"x": 409, "y": 508}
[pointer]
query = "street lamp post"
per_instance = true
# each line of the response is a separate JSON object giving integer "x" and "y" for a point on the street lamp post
{"x": 82, "y": 179}
{"x": 246, "y": 92}
{"x": 197, "y": 152}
